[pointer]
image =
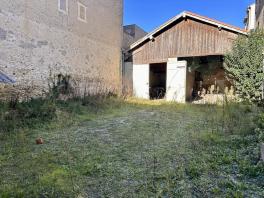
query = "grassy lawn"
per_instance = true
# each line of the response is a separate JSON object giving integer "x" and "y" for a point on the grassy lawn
{"x": 136, "y": 149}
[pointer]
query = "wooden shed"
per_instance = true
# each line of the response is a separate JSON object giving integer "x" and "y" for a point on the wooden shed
{"x": 182, "y": 57}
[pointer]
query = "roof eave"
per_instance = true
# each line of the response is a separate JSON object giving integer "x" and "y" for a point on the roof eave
{"x": 155, "y": 31}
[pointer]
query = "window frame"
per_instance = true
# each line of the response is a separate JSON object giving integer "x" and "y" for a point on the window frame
{"x": 79, "y": 4}
{"x": 67, "y": 7}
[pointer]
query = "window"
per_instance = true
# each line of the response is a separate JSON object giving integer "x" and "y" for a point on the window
{"x": 82, "y": 12}
{"x": 63, "y": 6}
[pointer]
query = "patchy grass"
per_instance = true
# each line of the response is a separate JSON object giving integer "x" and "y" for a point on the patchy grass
{"x": 136, "y": 149}
{"x": 17, "y": 115}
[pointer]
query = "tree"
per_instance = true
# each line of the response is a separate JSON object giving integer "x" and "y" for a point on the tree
{"x": 244, "y": 65}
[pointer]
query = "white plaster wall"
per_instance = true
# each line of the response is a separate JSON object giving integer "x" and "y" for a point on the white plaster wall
{"x": 251, "y": 17}
{"x": 141, "y": 81}
{"x": 176, "y": 80}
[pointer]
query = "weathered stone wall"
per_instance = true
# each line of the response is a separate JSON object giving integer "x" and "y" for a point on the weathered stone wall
{"x": 37, "y": 40}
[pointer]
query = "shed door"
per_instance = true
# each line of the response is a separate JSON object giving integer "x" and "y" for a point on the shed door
{"x": 141, "y": 81}
{"x": 176, "y": 80}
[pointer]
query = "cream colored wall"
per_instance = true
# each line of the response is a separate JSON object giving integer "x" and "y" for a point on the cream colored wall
{"x": 260, "y": 13}
{"x": 251, "y": 17}
{"x": 176, "y": 80}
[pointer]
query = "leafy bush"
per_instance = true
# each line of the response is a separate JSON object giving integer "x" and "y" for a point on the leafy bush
{"x": 244, "y": 65}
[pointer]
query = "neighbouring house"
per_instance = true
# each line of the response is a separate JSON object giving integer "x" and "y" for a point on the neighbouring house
{"x": 131, "y": 33}
{"x": 40, "y": 39}
{"x": 260, "y": 13}
{"x": 250, "y": 19}
{"x": 182, "y": 59}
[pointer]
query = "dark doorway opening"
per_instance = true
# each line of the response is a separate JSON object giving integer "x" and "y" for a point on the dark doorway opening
{"x": 206, "y": 79}
{"x": 157, "y": 80}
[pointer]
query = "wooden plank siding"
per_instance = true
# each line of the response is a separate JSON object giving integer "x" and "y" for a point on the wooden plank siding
{"x": 185, "y": 38}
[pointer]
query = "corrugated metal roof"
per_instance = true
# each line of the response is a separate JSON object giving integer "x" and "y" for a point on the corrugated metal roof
{"x": 5, "y": 79}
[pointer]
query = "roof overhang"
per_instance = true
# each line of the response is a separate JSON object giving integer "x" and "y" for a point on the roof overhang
{"x": 190, "y": 15}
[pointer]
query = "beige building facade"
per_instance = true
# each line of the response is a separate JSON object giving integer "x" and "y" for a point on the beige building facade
{"x": 132, "y": 33}
{"x": 250, "y": 19}
{"x": 260, "y": 13}
{"x": 40, "y": 39}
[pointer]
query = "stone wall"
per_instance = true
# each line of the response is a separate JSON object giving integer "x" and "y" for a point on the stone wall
{"x": 37, "y": 41}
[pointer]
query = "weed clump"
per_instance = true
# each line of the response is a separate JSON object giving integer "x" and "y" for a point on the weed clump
{"x": 26, "y": 114}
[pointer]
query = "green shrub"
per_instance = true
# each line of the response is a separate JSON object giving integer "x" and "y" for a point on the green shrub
{"x": 244, "y": 65}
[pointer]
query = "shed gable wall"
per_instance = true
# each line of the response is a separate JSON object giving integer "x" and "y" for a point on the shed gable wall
{"x": 185, "y": 39}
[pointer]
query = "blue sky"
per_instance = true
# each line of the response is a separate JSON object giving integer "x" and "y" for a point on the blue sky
{"x": 150, "y": 14}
